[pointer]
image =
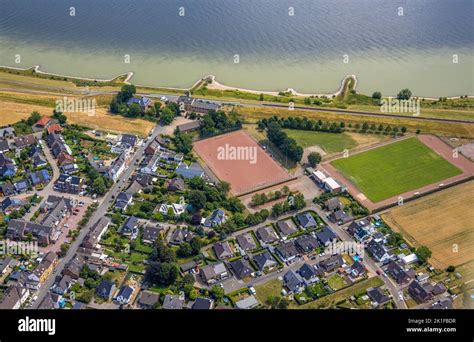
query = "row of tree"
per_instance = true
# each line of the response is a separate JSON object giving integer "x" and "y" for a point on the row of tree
{"x": 303, "y": 124}
{"x": 285, "y": 144}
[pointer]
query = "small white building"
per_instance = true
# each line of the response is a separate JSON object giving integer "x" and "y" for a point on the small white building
{"x": 331, "y": 185}
{"x": 409, "y": 259}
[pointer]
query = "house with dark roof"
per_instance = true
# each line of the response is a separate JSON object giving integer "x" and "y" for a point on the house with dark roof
{"x": 309, "y": 273}
{"x": 202, "y": 304}
{"x": 293, "y": 282}
{"x": 14, "y": 297}
{"x": 378, "y": 251}
{"x": 285, "y": 228}
{"x": 7, "y": 132}
{"x": 356, "y": 270}
{"x": 306, "y": 243}
{"x": 25, "y": 141}
{"x": 130, "y": 228}
{"x": 124, "y": 199}
{"x": 21, "y": 186}
{"x": 340, "y": 217}
{"x": 203, "y": 107}
{"x": 124, "y": 295}
{"x": 10, "y": 204}
{"x": 223, "y": 250}
{"x": 129, "y": 139}
{"x": 176, "y": 184}
{"x": 68, "y": 184}
{"x": 241, "y": 268}
{"x": 148, "y": 299}
{"x": 331, "y": 263}
{"x": 326, "y": 236}
{"x": 38, "y": 160}
{"x": 211, "y": 274}
{"x": 4, "y": 146}
{"x": 306, "y": 220}
{"x": 7, "y": 189}
{"x": 267, "y": 235}
{"x": 397, "y": 273}
{"x": 287, "y": 251}
{"x": 189, "y": 126}
{"x": 150, "y": 234}
{"x": 95, "y": 234}
{"x": 173, "y": 302}
{"x": 40, "y": 177}
{"x": 333, "y": 204}
{"x": 216, "y": 219}
{"x": 144, "y": 102}
{"x": 69, "y": 168}
{"x": 74, "y": 266}
{"x": 63, "y": 285}
{"x": 181, "y": 235}
{"x": 20, "y": 230}
{"x": 8, "y": 170}
{"x": 246, "y": 242}
{"x": 189, "y": 172}
{"x": 265, "y": 261}
{"x": 419, "y": 293}
{"x": 377, "y": 296}
{"x": 106, "y": 289}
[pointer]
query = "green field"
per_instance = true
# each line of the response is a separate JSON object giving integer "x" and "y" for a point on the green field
{"x": 329, "y": 142}
{"x": 394, "y": 169}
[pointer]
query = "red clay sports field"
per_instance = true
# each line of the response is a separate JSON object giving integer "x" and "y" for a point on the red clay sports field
{"x": 244, "y": 176}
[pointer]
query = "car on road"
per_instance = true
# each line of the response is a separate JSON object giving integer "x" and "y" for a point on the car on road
{"x": 164, "y": 99}
{"x": 252, "y": 290}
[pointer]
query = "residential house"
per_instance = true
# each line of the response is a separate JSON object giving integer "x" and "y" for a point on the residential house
{"x": 6, "y": 265}
{"x": 223, "y": 250}
{"x": 43, "y": 122}
{"x": 378, "y": 251}
{"x": 331, "y": 263}
{"x": 419, "y": 293}
{"x": 306, "y": 220}
{"x": 265, "y": 261}
{"x": 124, "y": 295}
{"x": 14, "y": 297}
{"x": 10, "y": 204}
{"x": 148, "y": 299}
{"x": 293, "y": 282}
{"x": 397, "y": 273}
{"x": 361, "y": 230}
{"x": 7, "y": 189}
{"x": 21, "y": 185}
{"x": 118, "y": 166}
{"x": 326, "y": 236}
{"x": 54, "y": 128}
{"x": 285, "y": 228}
{"x": 203, "y": 107}
{"x": 309, "y": 274}
{"x": 4, "y": 146}
{"x": 340, "y": 217}
{"x": 130, "y": 228}
{"x": 41, "y": 177}
{"x": 356, "y": 270}
{"x": 24, "y": 141}
{"x": 173, "y": 302}
{"x": 331, "y": 185}
{"x": 124, "y": 199}
{"x": 95, "y": 234}
{"x": 20, "y": 230}
{"x": 106, "y": 289}
{"x": 8, "y": 170}
{"x": 150, "y": 234}
{"x": 42, "y": 271}
{"x": 38, "y": 160}
{"x": 211, "y": 274}
{"x": 181, "y": 235}
{"x": 377, "y": 296}
{"x": 189, "y": 172}
{"x": 7, "y": 132}
{"x": 306, "y": 243}
{"x": 65, "y": 158}
{"x": 190, "y": 267}
{"x": 247, "y": 303}
{"x": 246, "y": 242}
{"x": 216, "y": 219}
{"x": 74, "y": 266}
{"x": 69, "y": 168}
{"x": 287, "y": 251}
{"x": 241, "y": 268}
{"x": 267, "y": 235}
{"x": 63, "y": 286}
{"x": 333, "y": 204}
{"x": 176, "y": 184}
{"x": 144, "y": 102}
{"x": 69, "y": 184}
{"x": 203, "y": 304}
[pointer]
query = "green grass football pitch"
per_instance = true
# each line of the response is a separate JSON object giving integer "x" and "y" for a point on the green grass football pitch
{"x": 394, "y": 169}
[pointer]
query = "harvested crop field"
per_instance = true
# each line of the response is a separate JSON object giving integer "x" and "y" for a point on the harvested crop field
{"x": 237, "y": 159}
{"x": 444, "y": 222}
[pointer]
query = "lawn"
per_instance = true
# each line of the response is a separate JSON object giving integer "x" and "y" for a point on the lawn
{"x": 395, "y": 168}
{"x": 329, "y": 142}
{"x": 336, "y": 282}
{"x": 271, "y": 288}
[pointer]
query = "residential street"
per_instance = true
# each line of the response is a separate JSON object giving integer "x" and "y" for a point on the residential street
{"x": 100, "y": 212}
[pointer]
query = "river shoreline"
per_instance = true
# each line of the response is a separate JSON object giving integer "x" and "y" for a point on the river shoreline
{"x": 214, "y": 85}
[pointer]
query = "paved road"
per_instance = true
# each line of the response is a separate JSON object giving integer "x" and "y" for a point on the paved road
{"x": 100, "y": 212}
